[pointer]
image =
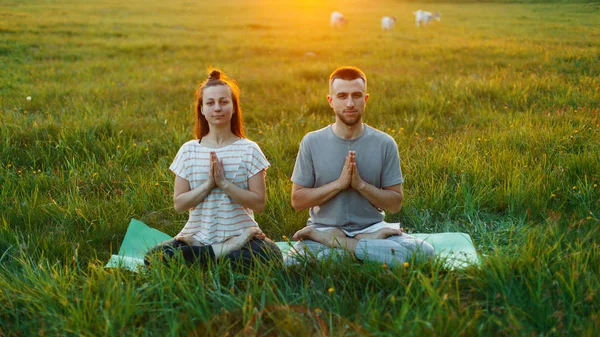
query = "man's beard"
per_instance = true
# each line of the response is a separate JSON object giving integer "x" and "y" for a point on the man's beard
{"x": 349, "y": 121}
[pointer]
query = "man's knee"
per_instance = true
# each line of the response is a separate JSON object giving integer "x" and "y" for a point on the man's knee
{"x": 302, "y": 250}
{"x": 414, "y": 245}
{"x": 426, "y": 250}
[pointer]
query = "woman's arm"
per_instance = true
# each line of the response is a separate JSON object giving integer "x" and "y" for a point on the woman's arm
{"x": 185, "y": 198}
{"x": 253, "y": 198}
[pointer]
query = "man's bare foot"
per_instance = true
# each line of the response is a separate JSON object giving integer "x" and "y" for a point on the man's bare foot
{"x": 335, "y": 238}
{"x": 304, "y": 233}
{"x": 330, "y": 238}
{"x": 383, "y": 233}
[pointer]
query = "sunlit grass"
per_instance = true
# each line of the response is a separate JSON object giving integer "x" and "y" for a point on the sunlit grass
{"x": 494, "y": 109}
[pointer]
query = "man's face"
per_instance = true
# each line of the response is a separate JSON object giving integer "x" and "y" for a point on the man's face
{"x": 348, "y": 100}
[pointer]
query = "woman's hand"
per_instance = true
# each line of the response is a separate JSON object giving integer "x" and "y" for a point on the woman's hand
{"x": 210, "y": 181}
{"x": 217, "y": 171}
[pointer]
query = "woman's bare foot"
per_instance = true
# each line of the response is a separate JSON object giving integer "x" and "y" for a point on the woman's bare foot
{"x": 237, "y": 242}
{"x": 190, "y": 240}
{"x": 383, "y": 233}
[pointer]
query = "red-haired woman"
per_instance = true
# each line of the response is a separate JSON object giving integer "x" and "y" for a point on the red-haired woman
{"x": 220, "y": 179}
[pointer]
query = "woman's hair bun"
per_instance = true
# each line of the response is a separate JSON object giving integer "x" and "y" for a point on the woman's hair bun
{"x": 214, "y": 75}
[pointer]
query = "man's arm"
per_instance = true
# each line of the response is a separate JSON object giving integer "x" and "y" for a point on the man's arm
{"x": 306, "y": 197}
{"x": 389, "y": 198}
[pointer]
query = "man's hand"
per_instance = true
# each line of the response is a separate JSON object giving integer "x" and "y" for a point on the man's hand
{"x": 345, "y": 178}
{"x": 356, "y": 182}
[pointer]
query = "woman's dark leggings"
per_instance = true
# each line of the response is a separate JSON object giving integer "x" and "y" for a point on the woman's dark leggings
{"x": 256, "y": 249}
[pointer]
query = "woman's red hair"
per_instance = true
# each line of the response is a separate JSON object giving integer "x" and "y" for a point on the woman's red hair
{"x": 217, "y": 77}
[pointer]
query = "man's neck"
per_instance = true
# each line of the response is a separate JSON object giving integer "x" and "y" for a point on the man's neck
{"x": 348, "y": 131}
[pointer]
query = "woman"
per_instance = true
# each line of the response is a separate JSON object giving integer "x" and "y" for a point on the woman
{"x": 220, "y": 179}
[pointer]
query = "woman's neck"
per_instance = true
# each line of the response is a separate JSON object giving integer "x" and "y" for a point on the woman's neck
{"x": 218, "y": 138}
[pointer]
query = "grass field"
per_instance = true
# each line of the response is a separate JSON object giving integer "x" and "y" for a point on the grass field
{"x": 495, "y": 110}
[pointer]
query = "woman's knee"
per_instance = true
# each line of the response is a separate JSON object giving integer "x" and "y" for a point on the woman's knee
{"x": 181, "y": 251}
{"x": 265, "y": 249}
{"x": 161, "y": 252}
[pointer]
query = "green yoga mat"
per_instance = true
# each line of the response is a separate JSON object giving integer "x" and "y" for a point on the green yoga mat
{"x": 138, "y": 240}
{"x": 456, "y": 250}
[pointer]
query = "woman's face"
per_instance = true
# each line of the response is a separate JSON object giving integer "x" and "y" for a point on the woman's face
{"x": 217, "y": 106}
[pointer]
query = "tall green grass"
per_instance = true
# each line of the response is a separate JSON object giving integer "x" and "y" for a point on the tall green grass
{"x": 495, "y": 110}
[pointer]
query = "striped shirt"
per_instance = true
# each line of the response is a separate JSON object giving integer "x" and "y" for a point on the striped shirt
{"x": 218, "y": 218}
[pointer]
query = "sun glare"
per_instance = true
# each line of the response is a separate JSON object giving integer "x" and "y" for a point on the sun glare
{"x": 314, "y": 3}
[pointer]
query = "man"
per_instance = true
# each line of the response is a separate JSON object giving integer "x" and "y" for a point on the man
{"x": 348, "y": 173}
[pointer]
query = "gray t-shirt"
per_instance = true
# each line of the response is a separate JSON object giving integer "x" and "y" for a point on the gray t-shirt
{"x": 320, "y": 161}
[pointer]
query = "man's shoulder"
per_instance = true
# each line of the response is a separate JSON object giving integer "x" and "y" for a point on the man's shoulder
{"x": 317, "y": 134}
{"x": 376, "y": 133}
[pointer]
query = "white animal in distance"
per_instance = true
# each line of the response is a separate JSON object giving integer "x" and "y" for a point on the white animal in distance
{"x": 387, "y": 22}
{"x": 424, "y": 17}
{"x": 337, "y": 20}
